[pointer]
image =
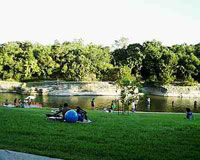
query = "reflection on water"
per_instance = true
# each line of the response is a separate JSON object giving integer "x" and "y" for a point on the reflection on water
{"x": 168, "y": 104}
{"x": 157, "y": 103}
{"x": 56, "y": 101}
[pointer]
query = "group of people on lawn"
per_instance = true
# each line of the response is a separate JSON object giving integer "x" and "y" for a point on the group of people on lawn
{"x": 19, "y": 102}
{"x": 82, "y": 114}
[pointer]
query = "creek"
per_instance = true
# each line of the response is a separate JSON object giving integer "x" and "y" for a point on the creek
{"x": 157, "y": 103}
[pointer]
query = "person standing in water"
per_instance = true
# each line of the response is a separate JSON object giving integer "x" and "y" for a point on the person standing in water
{"x": 172, "y": 103}
{"x": 15, "y": 102}
{"x": 195, "y": 105}
{"x": 148, "y": 104}
{"x": 133, "y": 106}
{"x": 93, "y": 103}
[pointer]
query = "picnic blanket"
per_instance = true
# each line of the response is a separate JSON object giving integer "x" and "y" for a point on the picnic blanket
{"x": 59, "y": 118}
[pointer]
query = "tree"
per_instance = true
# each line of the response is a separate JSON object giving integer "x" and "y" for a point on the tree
{"x": 129, "y": 87}
{"x": 132, "y": 56}
{"x": 44, "y": 61}
{"x": 159, "y": 63}
{"x": 188, "y": 64}
{"x": 121, "y": 43}
{"x": 135, "y": 58}
{"x": 85, "y": 62}
{"x": 197, "y": 54}
{"x": 8, "y": 60}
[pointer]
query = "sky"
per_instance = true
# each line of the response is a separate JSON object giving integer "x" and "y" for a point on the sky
{"x": 100, "y": 22}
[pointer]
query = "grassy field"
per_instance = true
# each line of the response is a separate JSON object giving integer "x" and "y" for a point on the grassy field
{"x": 141, "y": 136}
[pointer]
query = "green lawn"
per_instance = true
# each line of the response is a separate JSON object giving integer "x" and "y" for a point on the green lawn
{"x": 141, "y": 136}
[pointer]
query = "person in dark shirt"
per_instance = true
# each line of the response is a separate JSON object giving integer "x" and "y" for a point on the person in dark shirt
{"x": 6, "y": 102}
{"x": 112, "y": 107}
{"x": 93, "y": 103}
{"x": 61, "y": 111}
{"x": 189, "y": 114}
{"x": 15, "y": 102}
{"x": 82, "y": 115}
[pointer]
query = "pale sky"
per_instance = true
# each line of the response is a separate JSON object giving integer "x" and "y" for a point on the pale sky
{"x": 100, "y": 21}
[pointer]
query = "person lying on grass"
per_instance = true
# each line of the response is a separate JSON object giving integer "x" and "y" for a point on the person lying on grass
{"x": 61, "y": 111}
{"x": 82, "y": 115}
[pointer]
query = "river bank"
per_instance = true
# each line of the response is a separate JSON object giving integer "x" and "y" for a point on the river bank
{"x": 63, "y": 88}
{"x": 173, "y": 91}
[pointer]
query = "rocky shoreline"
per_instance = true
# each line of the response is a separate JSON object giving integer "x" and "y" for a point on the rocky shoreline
{"x": 63, "y": 88}
{"x": 173, "y": 91}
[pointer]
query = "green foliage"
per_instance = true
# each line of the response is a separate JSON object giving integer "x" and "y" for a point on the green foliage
{"x": 135, "y": 59}
{"x": 121, "y": 43}
{"x": 129, "y": 87}
{"x": 188, "y": 64}
{"x": 85, "y": 62}
{"x": 159, "y": 63}
{"x": 111, "y": 73}
{"x": 125, "y": 75}
{"x": 131, "y": 57}
{"x": 23, "y": 61}
{"x": 73, "y": 61}
{"x": 129, "y": 92}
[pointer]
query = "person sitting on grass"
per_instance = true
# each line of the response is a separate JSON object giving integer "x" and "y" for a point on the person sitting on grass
{"x": 21, "y": 103}
{"x": 112, "y": 106}
{"x": 189, "y": 114}
{"x": 82, "y": 115}
{"x": 61, "y": 111}
{"x": 6, "y": 102}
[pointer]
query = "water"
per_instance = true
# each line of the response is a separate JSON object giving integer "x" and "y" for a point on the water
{"x": 56, "y": 101}
{"x": 157, "y": 104}
{"x": 164, "y": 104}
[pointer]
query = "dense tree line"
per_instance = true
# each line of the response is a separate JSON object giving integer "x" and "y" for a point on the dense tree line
{"x": 151, "y": 62}
{"x": 70, "y": 61}
{"x": 155, "y": 63}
